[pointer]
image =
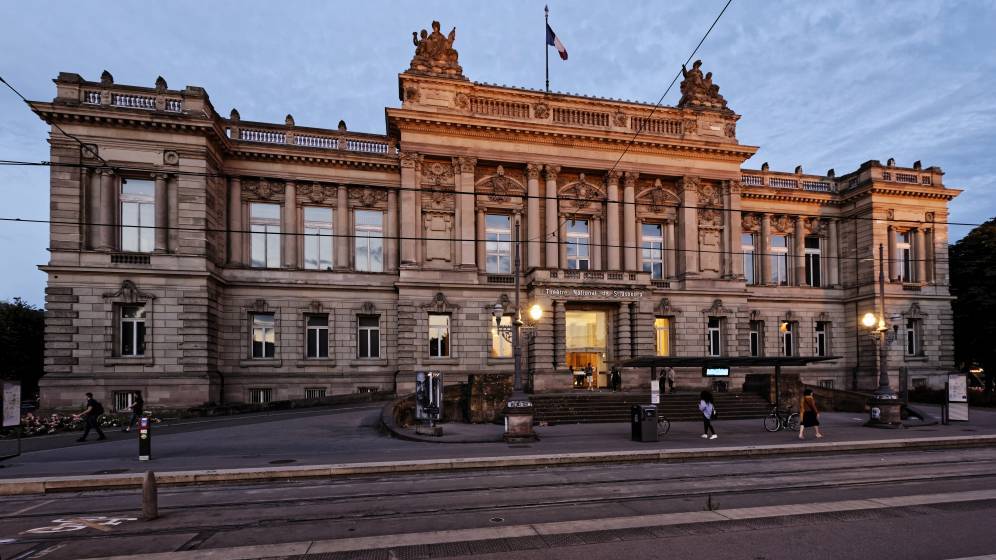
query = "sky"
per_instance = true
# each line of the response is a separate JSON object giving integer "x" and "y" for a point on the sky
{"x": 819, "y": 84}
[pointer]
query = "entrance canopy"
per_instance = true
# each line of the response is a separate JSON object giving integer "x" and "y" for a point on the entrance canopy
{"x": 724, "y": 361}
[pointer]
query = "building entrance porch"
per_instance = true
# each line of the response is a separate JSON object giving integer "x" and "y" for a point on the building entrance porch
{"x": 587, "y": 347}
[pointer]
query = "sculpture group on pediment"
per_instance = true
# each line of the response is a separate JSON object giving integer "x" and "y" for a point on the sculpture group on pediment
{"x": 656, "y": 197}
{"x": 318, "y": 194}
{"x": 582, "y": 193}
{"x": 750, "y": 222}
{"x": 434, "y": 53}
{"x": 781, "y": 224}
{"x": 698, "y": 90}
{"x": 367, "y": 196}
{"x": 501, "y": 188}
{"x": 541, "y": 110}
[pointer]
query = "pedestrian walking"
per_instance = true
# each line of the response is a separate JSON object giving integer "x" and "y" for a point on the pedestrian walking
{"x": 137, "y": 408}
{"x": 669, "y": 375}
{"x": 589, "y": 375}
{"x": 616, "y": 379}
{"x": 708, "y": 410}
{"x": 810, "y": 414}
{"x": 91, "y": 418}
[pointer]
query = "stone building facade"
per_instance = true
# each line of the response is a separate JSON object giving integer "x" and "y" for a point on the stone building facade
{"x": 201, "y": 258}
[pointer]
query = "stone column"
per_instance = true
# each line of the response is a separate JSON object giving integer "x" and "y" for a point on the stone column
{"x": 551, "y": 239}
{"x": 596, "y": 244}
{"x": 173, "y": 198}
{"x": 629, "y": 221}
{"x": 482, "y": 257}
{"x": 391, "y": 243}
{"x": 562, "y": 241}
{"x": 235, "y": 234}
{"x": 108, "y": 204}
{"x": 162, "y": 215}
{"x": 534, "y": 234}
{"x": 688, "y": 240}
{"x": 669, "y": 249}
{"x": 613, "y": 235}
{"x": 624, "y": 340}
{"x": 919, "y": 255}
{"x": 800, "y": 251}
{"x": 93, "y": 209}
{"x": 765, "y": 249}
{"x": 559, "y": 334}
{"x": 342, "y": 239}
{"x": 289, "y": 227}
{"x": 733, "y": 229}
{"x": 833, "y": 258}
{"x": 465, "y": 212}
{"x": 893, "y": 270}
{"x": 409, "y": 215}
{"x": 928, "y": 255}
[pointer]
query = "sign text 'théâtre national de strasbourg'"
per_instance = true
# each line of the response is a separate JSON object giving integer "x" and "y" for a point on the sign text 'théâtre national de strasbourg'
{"x": 594, "y": 293}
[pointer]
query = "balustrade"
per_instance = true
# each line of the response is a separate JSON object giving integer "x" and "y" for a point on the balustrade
{"x": 264, "y": 136}
{"x": 91, "y": 97}
{"x": 752, "y": 180}
{"x": 313, "y": 141}
{"x": 655, "y": 126}
{"x": 780, "y": 183}
{"x": 133, "y": 101}
{"x": 577, "y": 117}
{"x": 495, "y": 108}
{"x": 906, "y": 178}
{"x": 817, "y": 186}
{"x": 174, "y": 105}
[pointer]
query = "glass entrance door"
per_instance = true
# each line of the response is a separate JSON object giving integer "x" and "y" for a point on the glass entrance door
{"x": 587, "y": 333}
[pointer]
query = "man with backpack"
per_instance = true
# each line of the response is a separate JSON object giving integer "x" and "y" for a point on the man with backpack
{"x": 91, "y": 418}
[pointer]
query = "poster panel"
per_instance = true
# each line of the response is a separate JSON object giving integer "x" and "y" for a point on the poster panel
{"x": 11, "y": 404}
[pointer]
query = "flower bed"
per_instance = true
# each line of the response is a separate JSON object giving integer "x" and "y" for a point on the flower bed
{"x": 37, "y": 425}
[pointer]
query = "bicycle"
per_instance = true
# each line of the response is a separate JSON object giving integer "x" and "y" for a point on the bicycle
{"x": 663, "y": 426}
{"x": 781, "y": 420}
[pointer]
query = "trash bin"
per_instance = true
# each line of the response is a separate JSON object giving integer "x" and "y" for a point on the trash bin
{"x": 643, "y": 422}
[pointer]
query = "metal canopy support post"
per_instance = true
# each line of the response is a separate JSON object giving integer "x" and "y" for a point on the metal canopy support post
{"x": 778, "y": 387}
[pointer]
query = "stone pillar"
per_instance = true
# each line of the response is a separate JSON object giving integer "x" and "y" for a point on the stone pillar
{"x": 391, "y": 243}
{"x": 482, "y": 258}
{"x": 596, "y": 244}
{"x": 289, "y": 227}
{"x": 173, "y": 199}
{"x": 409, "y": 209}
{"x": 765, "y": 249}
{"x": 551, "y": 239}
{"x": 799, "y": 258}
{"x": 235, "y": 234}
{"x": 669, "y": 250}
{"x": 562, "y": 241}
{"x": 629, "y": 221}
{"x": 613, "y": 235}
{"x": 465, "y": 212}
{"x": 559, "y": 334}
{"x": 928, "y": 255}
{"x": 893, "y": 270}
{"x": 93, "y": 209}
{"x": 534, "y": 234}
{"x": 688, "y": 240}
{"x": 108, "y": 204}
{"x": 624, "y": 339}
{"x": 733, "y": 230}
{"x": 833, "y": 257}
{"x": 919, "y": 254}
{"x": 162, "y": 215}
{"x": 341, "y": 225}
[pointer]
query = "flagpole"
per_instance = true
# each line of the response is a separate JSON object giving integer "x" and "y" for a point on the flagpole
{"x": 546, "y": 10}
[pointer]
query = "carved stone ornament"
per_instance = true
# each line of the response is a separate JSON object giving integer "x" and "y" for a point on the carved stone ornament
{"x": 434, "y": 53}
{"x": 533, "y": 170}
{"x": 717, "y": 309}
{"x": 698, "y": 90}
{"x": 106, "y": 79}
{"x": 541, "y": 110}
{"x": 657, "y": 197}
{"x": 500, "y": 186}
{"x": 689, "y": 182}
{"x": 465, "y": 164}
{"x": 619, "y": 119}
{"x": 317, "y": 193}
{"x": 440, "y": 304}
{"x": 915, "y": 312}
{"x": 462, "y": 101}
{"x": 259, "y": 306}
{"x": 160, "y": 85}
{"x": 129, "y": 293}
{"x": 928, "y": 217}
{"x": 664, "y": 308}
{"x": 781, "y": 224}
{"x": 710, "y": 205}
{"x": 690, "y": 126}
{"x": 315, "y": 306}
{"x": 367, "y": 196}
{"x": 750, "y": 222}
{"x": 582, "y": 193}
{"x": 411, "y": 93}
{"x": 264, "y": 190}
{"x": 410, "y": 160}
{"x": 755, "y": 315}
{"x": 730, "y": 130}
{"x": 368, "y": 308}
{"x": 170, "y": 158}
{"x": 890, "y": 214}
{"x": 551, "y": 172}
{"x": 822, "y": 316}
{"x": 437, "y": 174}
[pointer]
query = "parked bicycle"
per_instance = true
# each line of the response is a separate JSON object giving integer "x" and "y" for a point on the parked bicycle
{"x": 781, "y": 420}
{"x": 663, "y": 426}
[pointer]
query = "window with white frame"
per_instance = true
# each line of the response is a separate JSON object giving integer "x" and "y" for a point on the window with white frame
{"x": 578, "y": 245}
{"x": 261, "y": 395}
{"x": 314, "y": 392}
{"x": 317, "y": 345}
{"x": 264, "y": 242}
{"x": 905, "y": 256}
{"x": 132, "y": 330}
{"x": 368, "y": 336}
{"x": 498, "y": 244}
{"x": 369, "y": 231}
{"x": 747, "y": 251}
{"x": 138, "y": 215}
{"x": 756, "y": 338}
{"x": 822, "y": 330}
{"x": 318, "y": 238}
{"x": 439, "y": 335}
{"x": 264, "y": 336}
{"x": 813, "y": 253}
{"x": 500, "y": 346}
{"x": 714, "y": 341}
{"x": 662, "y": 336}
{"x": 914, "y": 337}
{"x": 652, "y": 249}
{"x": 788, "y": 330}
{"x": 779, "y": 260}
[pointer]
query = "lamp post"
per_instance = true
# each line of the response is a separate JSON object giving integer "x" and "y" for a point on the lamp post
{"x": 884, "y": 400}
{"x": 518, "y": 408}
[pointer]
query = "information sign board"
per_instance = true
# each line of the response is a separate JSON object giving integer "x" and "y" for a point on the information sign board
{"x": 957, "y": 397}
{"x": 11, "y": 404}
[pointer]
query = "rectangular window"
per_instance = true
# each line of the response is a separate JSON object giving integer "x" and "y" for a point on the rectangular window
{"x": 757, "y": 338}
{"x": 788, "y": 330}
{"x": 318, "y": 336}
{"x": 317, "y": 238}
{"x": 264, "y": 225}
{"x": 813, "y": 269}
{"x": 822, "y": 338}
{"x": 498, "y": 244}
{"x": 138, "y": 215}
{"x": 904, "y": 254}
{"x": 314, "y": 392}
{"x": 714, "y": 342}
{"x": 264, "y": 337}
{"x": 439, "y": 335}
{"x": 779, "y": 260}
{"x": 578, "y": 245}
{"x": 652, "y": 250}
{"x": 914, "y": 337}
{"x": 123, "y": 400}
{"x": 826, "y": 383}
{"x": 662, "y": 336}
{"x": 747, "y": 248}
{"x": 369, "y": 231}
{"x": 368, "y": 336}
{"x": 500, "y": 346}
{"x": 132, "y": 333}
{"x": 260, "y": 396}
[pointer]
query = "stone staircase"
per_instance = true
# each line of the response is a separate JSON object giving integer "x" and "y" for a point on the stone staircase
{"x": 583, "y": 407}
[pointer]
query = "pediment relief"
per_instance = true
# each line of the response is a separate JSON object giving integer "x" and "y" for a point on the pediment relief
{"x": 437, "y": 174}
{"x": 129, "y": 293}
{"x": 262, "y": 189}
{"x": 914, "y": 312}
{"x": 317, "y": 193}
{"x": 581, "y": 193}
{"x": 440, "y": 304}
{"x": 664, "y": 308}
{"x": 368, "y": 308}
{"x": 367, "y": 197}
{"x": 656, "y": 196}
{"x": 717, "y": 309}
{"x": 500, "y": 187}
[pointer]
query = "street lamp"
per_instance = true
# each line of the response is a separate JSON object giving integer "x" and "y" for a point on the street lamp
{"x": 884, "y": 398}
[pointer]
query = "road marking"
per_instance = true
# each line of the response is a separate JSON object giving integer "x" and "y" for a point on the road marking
{"x": 27, "y": 509}
{"x": 99, "y": 523}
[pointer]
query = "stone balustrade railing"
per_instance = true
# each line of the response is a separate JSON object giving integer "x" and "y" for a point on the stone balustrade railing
{"x": 291, "y": 137}
{"x": 128, "y": 100}
{"x": 776, "y": 182}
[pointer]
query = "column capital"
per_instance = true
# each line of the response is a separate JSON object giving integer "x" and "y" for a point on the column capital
{"x": 410, "y": 159}
{"x": 533, "y": 170}
{"x": 612, "y": 176}
{"x": 551, "y": 172}
{"x": 630, "y": 179}
{"x": 464, "y": 164}
{"x": 160, "y": 176}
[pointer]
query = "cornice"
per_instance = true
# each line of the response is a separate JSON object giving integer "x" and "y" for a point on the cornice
{"x": 790, "y": 196}
{"x": 870, "y": 189}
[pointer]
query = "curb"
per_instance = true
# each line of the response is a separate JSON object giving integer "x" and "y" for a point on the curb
{"x": 388, "y": 424}
{"x": 45, "y": 485}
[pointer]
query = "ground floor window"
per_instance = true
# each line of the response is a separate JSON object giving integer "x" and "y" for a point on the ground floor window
{"x": 317, "y": 336}
{"x": 132, "y": 330}
{"x": 314, "y": 393}
{"x": 264, "y": 337}
{"x": 788, "y": 330}
{"x": 714, "y": 337}
{"x": 368, "y": 336}
{"x": 822, "y": 338}
{"x": 439, "y": 335}
{"x": 757, "y": 338}
{"x": 914, "y": 337}
{"x": 260, "y": 395}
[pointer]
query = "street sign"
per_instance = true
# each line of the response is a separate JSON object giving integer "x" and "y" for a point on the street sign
{"x": 957, "y": 397}
{"x": 11, "y": 404}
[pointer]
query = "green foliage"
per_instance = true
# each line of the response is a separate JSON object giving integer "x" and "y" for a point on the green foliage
{"x": 22, "y": 343}
{"x": 973, "y": 283}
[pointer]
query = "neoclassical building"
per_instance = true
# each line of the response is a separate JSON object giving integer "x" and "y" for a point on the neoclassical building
{"x": 201, "y": 258}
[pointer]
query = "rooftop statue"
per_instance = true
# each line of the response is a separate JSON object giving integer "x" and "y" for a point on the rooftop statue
{"x": 434, "y": 53}
{"x": 698, "y": 90}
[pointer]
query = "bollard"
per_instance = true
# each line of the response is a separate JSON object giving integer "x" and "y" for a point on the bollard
{"x": 150, "y": 497}
{"x": 144, "y": 438}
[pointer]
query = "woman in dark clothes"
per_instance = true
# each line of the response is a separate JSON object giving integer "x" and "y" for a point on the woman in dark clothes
{"x": 810, "y": 414}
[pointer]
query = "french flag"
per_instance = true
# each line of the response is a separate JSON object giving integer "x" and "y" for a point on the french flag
{"x": 553, "y": 41}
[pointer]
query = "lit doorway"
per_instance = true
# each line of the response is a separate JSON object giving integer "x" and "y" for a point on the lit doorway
{"x": 587, "y": 333}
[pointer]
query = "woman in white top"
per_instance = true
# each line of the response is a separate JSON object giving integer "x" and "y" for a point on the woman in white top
{"x": 708, "y": 410}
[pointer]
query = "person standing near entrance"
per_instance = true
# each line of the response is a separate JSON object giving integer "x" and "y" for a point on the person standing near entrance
{"x": 669, "y": 375}
{"x": 708, "y": 410}
{"x": 91, "y": 418}
{"x": 616, "y": 379}
{"x": 589, "y": 376}
{"x": 810, "y": 414}
{"x": 137, "y": 408}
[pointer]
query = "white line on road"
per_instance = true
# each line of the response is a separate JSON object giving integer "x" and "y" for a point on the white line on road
{"x": 27, "y": 509}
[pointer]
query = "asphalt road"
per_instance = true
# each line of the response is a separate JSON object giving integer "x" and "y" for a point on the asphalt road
{"x": 81, "y": 525}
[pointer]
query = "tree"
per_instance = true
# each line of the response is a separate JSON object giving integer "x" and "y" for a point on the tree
{"x": 22, "y": 343}
{"x": 973, "y": 283}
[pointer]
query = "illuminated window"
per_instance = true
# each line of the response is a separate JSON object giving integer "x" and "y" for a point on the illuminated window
{"x": 662, "y": 336}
